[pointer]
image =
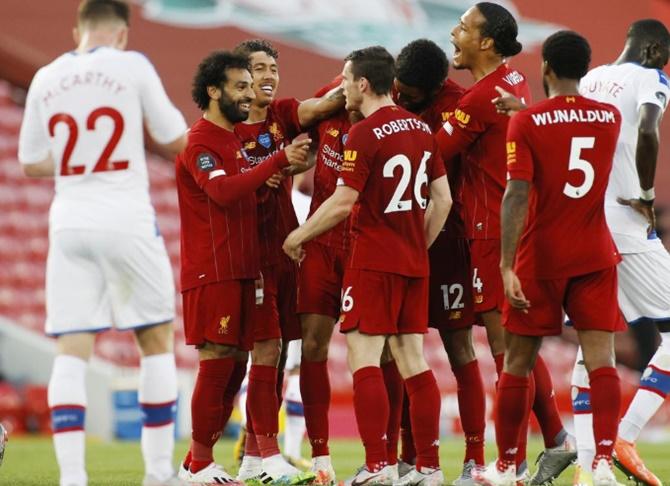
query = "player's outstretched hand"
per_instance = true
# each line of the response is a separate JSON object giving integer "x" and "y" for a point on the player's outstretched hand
{"x": 297, "y": 152}
{"x": 645, "y": 209}
{"x": 513, "y": 291}
{"x": 275, "y": 180}
{"x": 507, "y": 103}
{"x": 293, "y": 246}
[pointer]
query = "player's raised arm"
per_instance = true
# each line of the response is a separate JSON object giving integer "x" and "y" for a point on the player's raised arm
{"x": 312, "y": 110}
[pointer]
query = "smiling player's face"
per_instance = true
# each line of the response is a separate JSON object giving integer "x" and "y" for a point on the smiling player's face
{"x": 265, "y": 74}
{"x": 236, "y": 95}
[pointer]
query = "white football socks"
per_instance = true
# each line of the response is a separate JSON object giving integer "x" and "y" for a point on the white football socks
{"x": 157, "y": 397}
{"x": 67, "y": 400}
{"x": 654, "y": 387}
{"x": 295, "y": 418}
{"x": 582, "y": 414}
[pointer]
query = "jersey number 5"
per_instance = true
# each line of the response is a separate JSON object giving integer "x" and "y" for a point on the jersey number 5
{"x": 577, "y": 163}
{"x": 397, "y": 204}
{"x": 103, "y": 164}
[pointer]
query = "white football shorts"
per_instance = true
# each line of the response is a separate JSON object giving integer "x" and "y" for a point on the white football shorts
{"x": 96, "y": 280}
{"x": 644, "y": 284}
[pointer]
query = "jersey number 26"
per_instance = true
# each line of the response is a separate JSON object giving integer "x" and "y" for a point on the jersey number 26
{"x": 397, "y": 204}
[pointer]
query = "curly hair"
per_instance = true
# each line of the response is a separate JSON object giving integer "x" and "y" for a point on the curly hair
{"x": 212, "y": 72}
{"x": 422, "y": 64}
{"x": 568, "y": 54}
{"x": 248, "y": 47}
{"x": 500, "y": 26}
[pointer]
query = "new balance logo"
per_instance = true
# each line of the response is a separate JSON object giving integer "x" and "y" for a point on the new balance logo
{"x": 512, "y": 451}
{"x": 436, "y": 443}
{"x": 606, "y": 442}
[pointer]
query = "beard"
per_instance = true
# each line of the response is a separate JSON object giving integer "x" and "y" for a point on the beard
{"x": 231, "y": 108}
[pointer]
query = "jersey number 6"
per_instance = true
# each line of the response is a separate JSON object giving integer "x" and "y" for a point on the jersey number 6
{"x": 103, "y": 164}
{"x": 396, "y": 204}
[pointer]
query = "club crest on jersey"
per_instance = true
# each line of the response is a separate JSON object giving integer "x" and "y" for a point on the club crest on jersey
{"x": 223, "y": 325}
{"x": 276, "y": 132}
{"x": 265, "y": 140}
{"x": 206, "y": 162}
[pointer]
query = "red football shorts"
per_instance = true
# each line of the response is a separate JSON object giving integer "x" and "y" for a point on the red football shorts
{"x": 220, "y": 313}
{"x": 383, "y": 303}
{"x": 487, "y": 287}
{"x": 450, "y": 304}
{"x": 275, "y": 318}
{"x": 320, "y": 280}
{"x": 589, "y": 300}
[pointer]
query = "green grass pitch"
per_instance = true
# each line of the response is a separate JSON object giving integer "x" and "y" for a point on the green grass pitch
{"x": 30, "y": 461}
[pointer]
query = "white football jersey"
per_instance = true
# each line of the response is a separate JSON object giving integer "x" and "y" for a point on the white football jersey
{"x": 88, "y": 111}
{"x": 627, "y": 86}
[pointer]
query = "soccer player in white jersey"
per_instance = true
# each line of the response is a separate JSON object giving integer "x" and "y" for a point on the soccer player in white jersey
{"x": 107, "y": 263}
{"x": 635, "y": 84}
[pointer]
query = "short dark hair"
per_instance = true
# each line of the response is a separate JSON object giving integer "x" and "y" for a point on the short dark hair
{"x": 212, "y": 72}
{"x": 649, "y": 30}
{"x": 422, "y": 64}
{"x": 568, "y": 54}
{"x": 376, "y": 65}
{"x": 94, "y": 11}
{"x": 500, "y": 26}
{"x": 248, "y": 47}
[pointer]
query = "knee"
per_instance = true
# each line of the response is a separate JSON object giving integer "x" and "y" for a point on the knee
{"x": 314, "y": 349}
{"x": 518, "y": 364}
{"x": 266, "y": 353}
{"x": 155, "y": 339}
{"x": 459, "y": 348}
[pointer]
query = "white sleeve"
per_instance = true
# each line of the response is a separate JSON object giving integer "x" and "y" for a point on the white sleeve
{"x": 34, "y": 141}
{"x": 164, "y": 121}
{"x": 653, "y": 88}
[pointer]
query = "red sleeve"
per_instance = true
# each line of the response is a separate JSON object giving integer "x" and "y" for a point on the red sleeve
{"x": 519, "y": 155}
{"x": 208, "y": 172}
{"x": 357, "y": 160}
{"x": 286, "y": 110}
{"x": 336, "y": 82}
{"x": 436, "y": 167}
{"x": 462, "y": 128}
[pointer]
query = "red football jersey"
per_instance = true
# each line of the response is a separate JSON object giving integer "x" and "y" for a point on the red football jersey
{"x": 477, "y": 132}
{"x": 564, "y": 147}
{"x": 442, "y": 108}
{"x": 217, "y": 243}
{"x": 261, "y": 140}
{"x": 329, "y": 137}
{"x": 390, "y": 158}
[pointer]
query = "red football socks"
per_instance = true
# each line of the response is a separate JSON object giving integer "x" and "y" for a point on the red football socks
{"x": 395, "y": 391}
{"x": 207, "y": 408}
{"x": 606, "y": 405}
{"x": 234, "y": 384}
{"x": 424, "y": 409}
{"x": 250, "y": 443}
{"x": 262, "y": 400}
{"x": 372, "y": 414}
{"x": 544, "y": 405}
{"x": 525, "y": 423}
{"x": 315, "y": 392}
{"x": 407, "y": 450}
{"x": 472, "y": 407}
{"x": 511, "y": 407}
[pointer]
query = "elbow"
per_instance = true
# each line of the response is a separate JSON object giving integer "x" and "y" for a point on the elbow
{"x": 33, "y": 170}
{"x": 647, "y": 134}
{"x": 176, "y": 146}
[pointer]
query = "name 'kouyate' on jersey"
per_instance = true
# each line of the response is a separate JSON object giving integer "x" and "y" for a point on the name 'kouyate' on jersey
{"x": 88, "y": 111}
{"x": 390, "y": 158}
{"x": 627, "y": 86}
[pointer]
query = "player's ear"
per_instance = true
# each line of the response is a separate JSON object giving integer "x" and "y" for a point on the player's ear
{"x": 214, "y": 92}
{"x": 486, "y": 43}
{"x": 122, "y": 38}
{"x": 546, "y": 70}
{"x": 76, "y": 35}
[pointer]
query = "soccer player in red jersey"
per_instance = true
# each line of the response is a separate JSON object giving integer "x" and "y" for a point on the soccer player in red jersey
{"x": 484, "y": 38}
{"x": 559, "y": 157}
{"x": 391, "y": 177}
{"x": 219, "y": 245}
{"x": 422, "y": 87}
{"x": 271, "y": 124}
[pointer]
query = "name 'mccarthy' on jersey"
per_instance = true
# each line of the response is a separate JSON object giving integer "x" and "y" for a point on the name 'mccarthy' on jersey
{"x": 88, "y": 111}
